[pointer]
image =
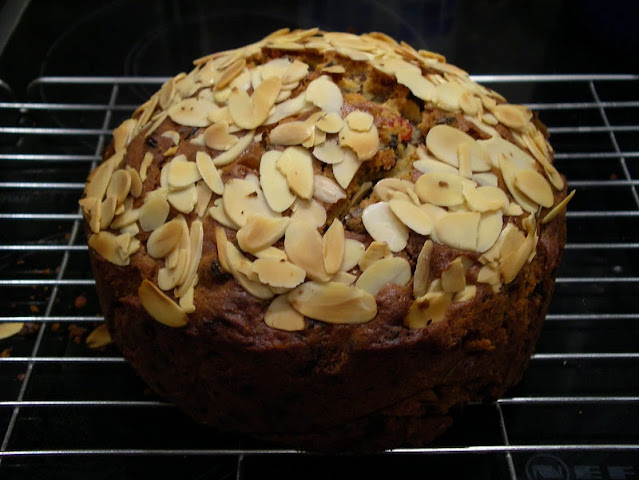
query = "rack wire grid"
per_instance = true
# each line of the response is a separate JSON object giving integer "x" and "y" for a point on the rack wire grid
{"x": 67, "y": 409}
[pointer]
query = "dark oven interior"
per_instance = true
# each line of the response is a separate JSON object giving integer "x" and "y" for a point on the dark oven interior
{"x": 71, "y": 71}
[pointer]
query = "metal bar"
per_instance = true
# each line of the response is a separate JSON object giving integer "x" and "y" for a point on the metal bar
{"x": 46, "y": 281}
{"x": 592, "y": 316}
{"x": 553, "y": 78}
{"x": 594, "y": 155}
{"x": 585, "y": 356}
{"x": 581, "y": 105}
{"x": 594, "y": 129}
{"x": 85, "y": 403}
{"x": 44, "y": 185}
{"x": 64, "y": 106}
{"x": 566, "y": 399}
{"x": 44, "y": 157}
{"x": 44, "y": 248}
{"x": 62, "y": 359}
{"x": 40, "y": 216}
{"x": 504, "y": 436}
{"x": 54, "y": 131}
{"x": 597, "y": 279}
{"x": 602, "y": 246}
{"x": 53, "y": 319}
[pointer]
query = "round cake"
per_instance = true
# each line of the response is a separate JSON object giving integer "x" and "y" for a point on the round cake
{"x": 326, "y": 240}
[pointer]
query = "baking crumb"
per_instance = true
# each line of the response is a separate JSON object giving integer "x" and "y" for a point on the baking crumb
{"x": 76, "y": 333}
{"x": 6, "y": 352}
{"x": 80, "y": 301}
{"x": 55, "y": 327}
{"x": 20, "y": 376}
{"x": 34, "y": 308}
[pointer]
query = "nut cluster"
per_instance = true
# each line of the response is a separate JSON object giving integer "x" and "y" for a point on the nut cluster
{"x": 486, "y": 195}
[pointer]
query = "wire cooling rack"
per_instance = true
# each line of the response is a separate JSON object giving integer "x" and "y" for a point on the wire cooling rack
{"x": 67, "y": 411}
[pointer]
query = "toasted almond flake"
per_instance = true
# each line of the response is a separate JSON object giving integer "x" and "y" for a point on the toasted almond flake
{"x": 220, "y": 244}
{"x": 353, "y": 252}
{"x": 511, "y": 264}
{"x": 149, "y": 108}
{"x": 163, "y": 240}
{"x": 99, "y": 337}
{"x": 290, "y": 133}
{"x": 427, "y": 165}
{"x": 468, "y": 293}
{"x": 513, "y": 210}
{"x": 278, "y": 273}
{"x": 303, "y": 246}
{"x": 217, "y": 137}
{"x": 463, "y": 156}
{"x": 535, "y": 187}
{"x": 221, "y": 115}
{"x": 444, "y": 141}
{"x": 489, "y": 275}
{"x": 485, "y": 179}
{"x": 239, "y": 267}
{"x": 172, "y": 135}
{"x": 153, "y": 213}
{"x": 170, "y": 151}
{"x": 453, "y": 278}
{"x": 333, "y": 302}
{"x": 146, "y": 163}
{"x": 497, "y": 146}
{"x": 382, "y": 224}
{"x": 329, "y": 152}
{"x": 191, "y": 112}
{"x": 297, "y": 166}
{"x": 330, "y": 123}
{"x": 184, "y": 200}
{"x": 513, "y": 116}
{"x": 422, "y": 269}
{"x": 416, "y": 83}
{"x": 186, "y": 300}
{"x": 318, "y": 137}
{"x": 123, "y": 134}
{"x": 282, "y": 316}
{"x": 360, "y": 121}
{"x": 557, "y": 209}
{"x": 99, "y": 179}
{"x": 364, "y": 144}
{"x": 323, "y": 93}
{"x": 440, "y": 188}
{"x": 209, "y": 172}
{"x": 428, "y": 309}
{"x": 242, "y": 198}
{"x": 333, "y": 247}
{"x": 509, "y": 173}
{"x": 510, "y": 237}
{"x": 261, "y": 232}
{"x": 127, "y": 217}
{"x": 169, "y": 277}
{"x": 326, "y": 190}
{"x": 411, "y": 215}
{"x": 458, "y": 229}
{"x": 287, "y": 108}
{"x": 447, "y": 95}
{"x": 484, "y": 199}
{"x": 136, "y": 183}
{"x": 161, "y": 307}
{"x": 333, "y": 69}
{"x": 232, "y": 71}
{"x": 107, "y": 212}
{"x": 218, "y": 213}
{"x": 386, "y": 188}
{"x": 251, "y": 112}
{"x": 347, "y": 168}
{"x": 490, "y": 225}
{"x": 469, "y": 103}
{"x": 274, "y": 183}
{"x": 376, "y": 251}
{"x": 394, "y": 270}
{"x": 9, "y": 329}
{"x": 196, "y": 241}
{"x": 182, "y": 174}
{"x": 295, "y": 72}
{"x": 107, "y": 245}
{"x": 232, "y": 153}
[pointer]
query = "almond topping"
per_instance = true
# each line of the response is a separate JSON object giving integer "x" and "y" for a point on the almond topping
{"x": 428, "y": 309}
{"x": 346, "y": 169}
{"x": 271, "y": 252}
{"x": 360, "y": 121}
{"x": 353, "y": 251}
{"x": 232, "y": 71}
{"x": 109, "y": 246}
{"x": 107, "y": 212}
{"x": 163, "y": 240}
{"x": 209, "y": 172}
{"x": 509, "y": 172}
{"x": 323, "y": 93}
{"x": 303, "y": 246}
{"x": 251, "y": 112}
{"x": 282, "y": 316}
{"x": 261, "y": 232}
{"x": 386, "y": 188}
{"x": 239, "y": 267}
{"x": 144, "y": 166}
{"x": 458, "y": 229}
{"x": 382, "y": 224}
{"x": 329, "y": 152}
{"x": 100, "y": 178}
{"x": 218, "y": 214}
{"x": 235, "y": 151}
{"x": 182, "y": 174}
{"x": 243, "y": 199}
{"x": 274, "y": 183}
{"x": 154, "y": 212}
{"x": 99, "y": 337}
{"x": 387, "y": 270}
{"x": 489, "y": 275}
{"x": 217, "y": 137}
{"x": 333, "y": 302}
{"x": 184, "y": 200}
{"x": 326, "y": 190}
{"x": 422, "y": 269}
{"x": 513, "y": 116}
{"x": 278, "y": 273}
{"x": 290, "y": 133}
{"x": 412, "y": 216}
{"x": 558, "y": 208}
{"x": 484, "y": 199}
{"x": 309, "y": 211}
{"x": 122, "y": 134}
{"x": 440, "y": 188}
{"x": 453, "y": 278}
{"x": 9, "y": 329}
{"x": 191, "y": 112}
{"x": 161, "y": 307}
{"x": 136, "y": 182}
{"x": 511, "y": 264}
{"x": 376, "y": 251}
{"x": 490, "y": 225}
{"x": 444, "y": 141}
{"x": 416, "y": 83}
{"x": 172, "y": 135}
{"x": 330, "y": 123}
{"x": 468, "y": 293}
{"x": 333, "y": 247}
{"x": 364, "y": 144}
{"x": 535, "y": 187}
{"x": 446, "y": 95}
{"x": 297, "y": 165}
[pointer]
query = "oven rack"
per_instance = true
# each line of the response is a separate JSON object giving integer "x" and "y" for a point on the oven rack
{"x": 577, "y": 405}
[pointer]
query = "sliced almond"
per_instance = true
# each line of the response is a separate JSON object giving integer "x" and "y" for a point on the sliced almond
{"x": 109, "y": 247}
{"x": 490, "y": 225}
{"x": 169, "y": 277}
{"x": 235, "y": 151}
{"x": 303, "y": 246}
{"x": 333, "y": 247}
{"x": 376, "y": 251}
{"x": 360, "y": 121}
{"x": 9, "y": 329}
{"x": 274, "y": 183}
{"x": 278, "y": 273}
{"x": 485, "y": 179}
{"x": 353, "y": 251}
{"x": 428, "y": 309}
{"x": 387, "y": 187}
{"x": 329, "y": 152}
{"x": 161, "y": 307}
{"x": 119, "y": 185}
{"x": 444, "y": 141}
{"x": 218, "y": 213}
{"x": 153, "y": 213}
{"x": 192, "y": 112}
{"x": 163, "y": 240}
{"x": 511, "y": 264}
{"x": 364, "y": 144}
{"x": 485, "y": 199}
{"x": 458, "y": 229}
{"x": 261, "y": 232}
{"x": 333, "y": 302}
{"x": 209, "y": 173}
{"x": 184, "y": 200}
{"x": 422, "y": 269}
{"x": 489, "y": 275}
{"x": 513, "y": 116}
{"x": 127, "y": 217}
{"x": 287, "y": 108}
{"x": 558, "y": 208}
{"x": 107, "y": 212}
{"x": 172, "y": 135}
{"x": 296, "y": 165}
{"x": 382, "y": 224}
{"x": 309, "y": 211}
{"x": 412, "y": 216}
{"x": 242, "y": 199}
{"x": 394, "y": 270}
{"x": 326, "y": 190}
{"x": 182, "y": 174}
{"x": 186, "y": 300}
{"x": 453, "y": 278}
{"x": 446, "y": 95}
{"x": 230, "y": 72}
{"x": 251, "y": 112}
{"x": 217, "y": 137}
{"x": 196, "y": 238}
{"x": 323, "y": 93}
{"x": 136, "y": 182}
{"x": 122, "y": 134}
{"x": 290, "y": 133}
{"x": 99, "y": 179}
{"x": 271, "y": 252}
{"x": 282, "y": 316}
{"x": 535, "y": 187}
{"x": 144, "y": 166}
{"x": 496, "y": 146}
{"x": 345, "y": 171}
{"x": 330, "y": 123}
{"x": 239, "y": 267}
{"x": 509, "y": 173}
{"x": 426, "y": 165}
{"x": 440, "y": 188}
{"x": 416, "y": 83}
{"x": 99, "y": 337}
{"x": 468, "y": 293}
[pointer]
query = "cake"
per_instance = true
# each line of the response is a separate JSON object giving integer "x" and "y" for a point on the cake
{"x": 328, "y": 241}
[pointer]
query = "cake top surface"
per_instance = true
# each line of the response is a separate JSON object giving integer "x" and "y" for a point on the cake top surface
{"x": 309, "y": 165}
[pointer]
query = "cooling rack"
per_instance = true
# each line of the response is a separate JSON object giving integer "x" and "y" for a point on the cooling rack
{"x": 68, "y": 411}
